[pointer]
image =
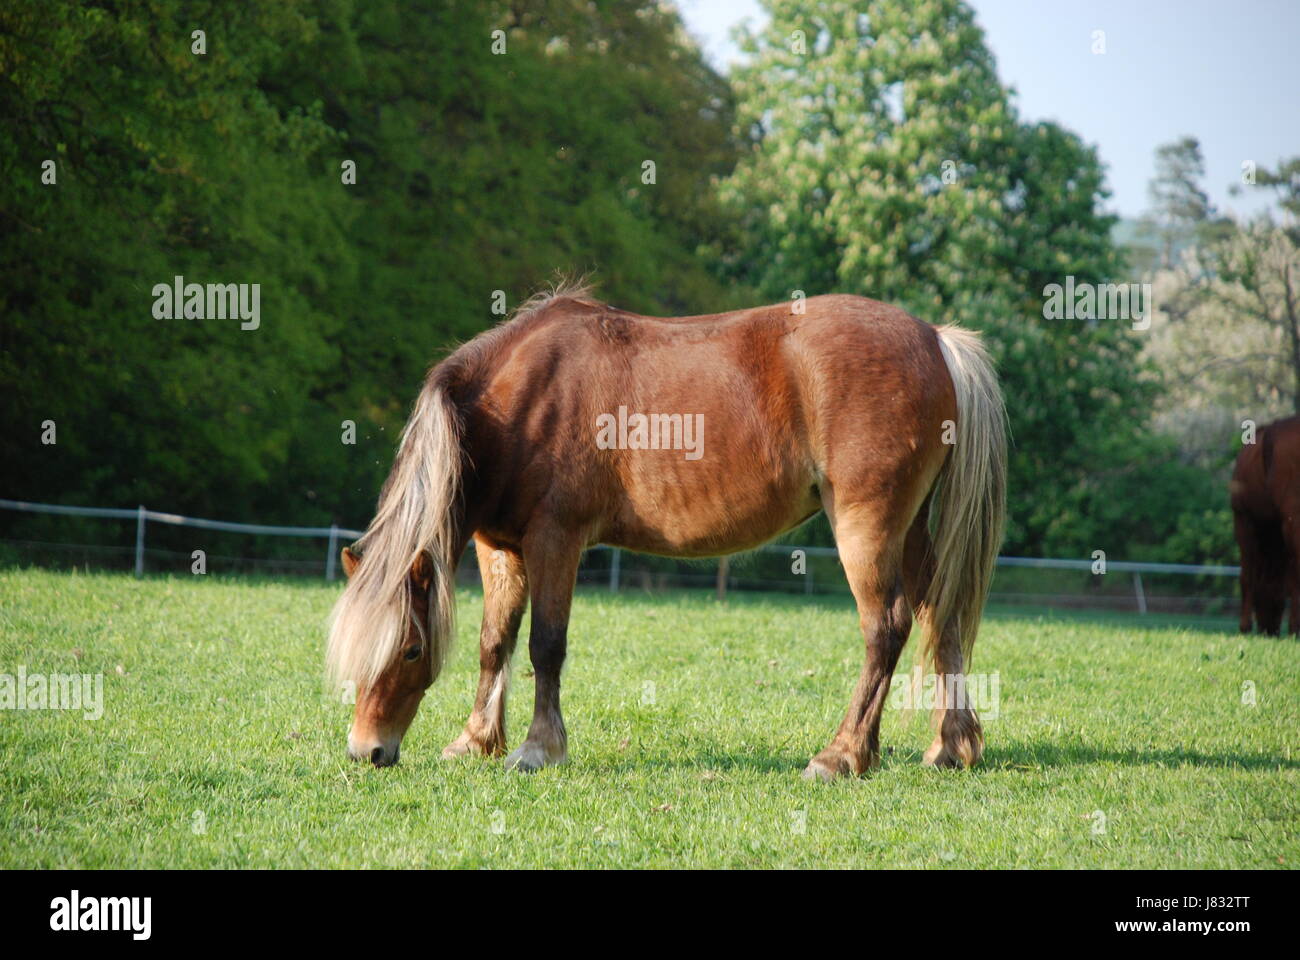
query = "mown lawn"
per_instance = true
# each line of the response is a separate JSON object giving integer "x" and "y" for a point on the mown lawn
{"x": 689, "y": 723}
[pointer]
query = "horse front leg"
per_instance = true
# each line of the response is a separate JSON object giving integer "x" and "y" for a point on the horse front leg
{"x": 505, "y": 595}
{"x": 551, "y": 557}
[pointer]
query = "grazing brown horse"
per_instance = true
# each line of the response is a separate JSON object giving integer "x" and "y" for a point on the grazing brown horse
{"x": 577, "y": 423}
{"x": 1265, "y": 493}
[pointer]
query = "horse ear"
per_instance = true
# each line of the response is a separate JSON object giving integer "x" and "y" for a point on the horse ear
{"x": 350, "y": 561}
{"x": 422, "y": 571}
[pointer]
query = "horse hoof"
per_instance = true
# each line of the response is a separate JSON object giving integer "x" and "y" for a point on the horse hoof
{"x": 817, "y": 770}
{"x": 940, "y": 758}
{"x": 527, "y": 758}
{"x": 457, "y": 748}
{"x": 468, "y": 743}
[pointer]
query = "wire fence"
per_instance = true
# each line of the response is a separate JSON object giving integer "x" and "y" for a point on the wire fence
{"x": 1123, "y": 585}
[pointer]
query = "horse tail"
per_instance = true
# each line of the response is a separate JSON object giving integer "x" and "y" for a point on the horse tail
{"x": 969, "y": 507}
{"x": 415, "y": 518}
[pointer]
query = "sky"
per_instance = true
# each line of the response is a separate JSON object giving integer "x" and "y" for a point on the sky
{"x": 1224, "y": 71}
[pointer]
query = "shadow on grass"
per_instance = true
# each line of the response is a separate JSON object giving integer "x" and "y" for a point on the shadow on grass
{"x": 998, "y": 758}
{"x": 722, "y": 758}
{"x": 630, "y": 598}
{"x": 1201, "y": 623}
{"x": 1049, "y": 755}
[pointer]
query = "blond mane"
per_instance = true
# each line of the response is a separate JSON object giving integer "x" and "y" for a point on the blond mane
{"x": 416, "y": 515}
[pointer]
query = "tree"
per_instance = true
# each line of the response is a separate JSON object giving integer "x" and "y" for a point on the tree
{"x": 886, "y": 159}
{"x": 471, "y": 172}
{"x": 1285, "y": 181}
{"x": 1259, "y": 277}
{"x": 1229, "y": 327}
{"x": 1227, "y": 331}
{"x": 163, "y": 161}
{"x": 1179, "y": 205}
{"x": 1225, "y": 341}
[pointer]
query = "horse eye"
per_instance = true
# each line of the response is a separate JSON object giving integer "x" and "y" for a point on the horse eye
{"x": 413, "y": 653}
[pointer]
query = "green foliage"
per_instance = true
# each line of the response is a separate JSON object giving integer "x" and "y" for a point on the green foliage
{"x": 474, "y": 173}
{"x": 1284, "y": 180}
{"x": 1180, "y": 213}
{"x": 1225, "y": 342}
{"x": 167, "y": 164}
{"x": 878, "y": 154}
{"x": 886, "y": 159}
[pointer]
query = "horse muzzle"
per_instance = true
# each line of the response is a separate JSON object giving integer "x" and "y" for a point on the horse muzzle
{"x": 378, "y": 753}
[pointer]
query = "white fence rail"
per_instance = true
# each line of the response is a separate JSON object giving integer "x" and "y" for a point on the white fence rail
{"x": 141, "y": 516}
{"x": 332, "y": 533}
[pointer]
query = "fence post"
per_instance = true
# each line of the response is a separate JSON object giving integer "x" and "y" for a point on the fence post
{"x": 139, "y": 540}
{"x": 1141, "y": 596}
{"x": 724, "y": 568}
{"x": 613, "y": 571}
{"x": 333, "y": 549}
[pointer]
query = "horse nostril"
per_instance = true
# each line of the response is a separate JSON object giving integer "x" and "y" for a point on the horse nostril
{"x": 377, "y": 755}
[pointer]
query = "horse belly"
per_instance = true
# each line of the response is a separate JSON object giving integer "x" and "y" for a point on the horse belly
{"x": 683, "y": 511}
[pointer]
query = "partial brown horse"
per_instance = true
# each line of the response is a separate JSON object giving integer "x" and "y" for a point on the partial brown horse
{"x": 1265, "y": 493}
{"x": 576, "y": 423}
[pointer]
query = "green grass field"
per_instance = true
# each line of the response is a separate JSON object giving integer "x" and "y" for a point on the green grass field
{"x": 218, "y": 748}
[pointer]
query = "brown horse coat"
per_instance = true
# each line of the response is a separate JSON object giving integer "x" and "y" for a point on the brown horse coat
{"x": 577, "y": 423}
{"x": 1265, "y": 495}
{"x": 772, "y": 390}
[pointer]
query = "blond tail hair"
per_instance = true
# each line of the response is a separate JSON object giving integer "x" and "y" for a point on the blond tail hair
{"x": 415, "y": 515}
{"x": 969, "y": 508}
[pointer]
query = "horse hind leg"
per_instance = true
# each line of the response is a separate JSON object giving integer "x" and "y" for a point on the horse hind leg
{"x": 505, "y": 595}
{"x": 1291, "y": 577}
{"x": 1271, "y": 577}
{"x": 959, "y": 739}
{"x": 871, "y": 563}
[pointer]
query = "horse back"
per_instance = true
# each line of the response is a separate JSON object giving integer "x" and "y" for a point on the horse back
{"x": 1266, "y": 476}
